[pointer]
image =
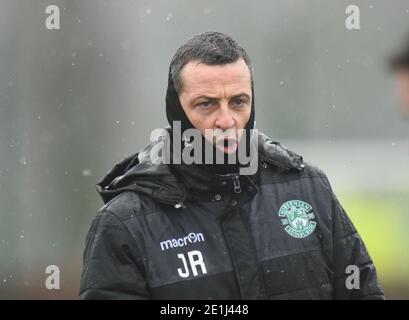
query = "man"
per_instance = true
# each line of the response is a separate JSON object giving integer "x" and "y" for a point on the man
{"x": 400, "y": 65}
{"x": 205, "y": 231}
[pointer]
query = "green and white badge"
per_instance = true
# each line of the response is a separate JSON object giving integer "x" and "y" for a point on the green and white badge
{"x": 297, "y": 218}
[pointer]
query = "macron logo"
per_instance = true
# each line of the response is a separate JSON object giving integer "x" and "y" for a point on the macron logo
{"x": 181, "y": 242}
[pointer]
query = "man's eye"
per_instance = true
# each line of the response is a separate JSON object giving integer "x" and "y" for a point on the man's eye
{"x": 205, "y": 104}
{"x": 239, "y": 102}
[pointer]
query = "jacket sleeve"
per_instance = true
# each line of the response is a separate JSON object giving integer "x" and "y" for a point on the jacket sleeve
{"x": 113, "y": 266}
{"x": 350, "y": 250}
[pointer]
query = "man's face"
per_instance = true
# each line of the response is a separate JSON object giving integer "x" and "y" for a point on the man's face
{"x": 403, "y": 88}
{"x": 217, "y": 97}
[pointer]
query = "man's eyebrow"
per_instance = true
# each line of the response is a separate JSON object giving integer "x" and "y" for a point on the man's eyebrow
{"x": 241, "y": 94}
{"x": 203, "y": 96}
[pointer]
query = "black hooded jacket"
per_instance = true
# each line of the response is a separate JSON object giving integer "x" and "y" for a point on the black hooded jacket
{"x": 179, "y": 232}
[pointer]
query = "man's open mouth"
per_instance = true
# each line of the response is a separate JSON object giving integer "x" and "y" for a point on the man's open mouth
{"x": 228, "y": 145}
{"x": 229, "y": 142}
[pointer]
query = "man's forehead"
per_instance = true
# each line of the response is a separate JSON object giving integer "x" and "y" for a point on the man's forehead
{"x": 196, "y": 74}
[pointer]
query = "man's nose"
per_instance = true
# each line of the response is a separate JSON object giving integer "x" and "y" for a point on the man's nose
{"x": 224, "y": 119}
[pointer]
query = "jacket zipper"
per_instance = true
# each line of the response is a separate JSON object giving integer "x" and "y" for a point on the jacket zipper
{"x": 236, "y": 184}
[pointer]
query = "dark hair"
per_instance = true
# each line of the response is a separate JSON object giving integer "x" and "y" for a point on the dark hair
{"x": 400, "y": 62}
{"x": 213, "y": 48}
{"x": 401, "y": 59}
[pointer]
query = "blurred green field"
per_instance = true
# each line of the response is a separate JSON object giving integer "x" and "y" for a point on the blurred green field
{"x": 383, "y": 221}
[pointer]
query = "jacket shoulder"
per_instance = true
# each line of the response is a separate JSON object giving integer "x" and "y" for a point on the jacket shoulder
{"x": 129, "y": 204}
{"x": 311, "y": 170}
{"x": 305, "y": 170}
{"x": 285, "y": 161}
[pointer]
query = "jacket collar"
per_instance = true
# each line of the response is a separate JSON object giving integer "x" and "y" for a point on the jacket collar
{"x": 274, "y": 153}
{"x": 172, "y": 184}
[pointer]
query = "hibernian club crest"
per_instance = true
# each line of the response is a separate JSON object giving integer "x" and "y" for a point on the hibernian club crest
{"x": 297, "y": 218}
